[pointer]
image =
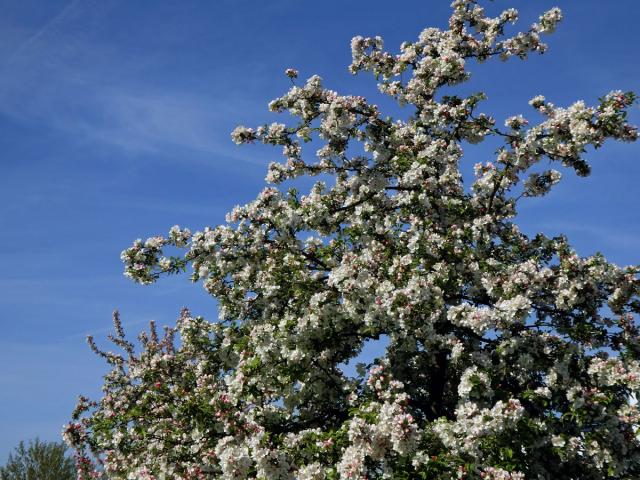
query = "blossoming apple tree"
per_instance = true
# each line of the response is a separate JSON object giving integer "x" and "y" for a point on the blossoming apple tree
{"x": 509, "y": 356}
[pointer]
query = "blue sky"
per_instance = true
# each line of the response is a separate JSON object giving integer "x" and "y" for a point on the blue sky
{"x": 114, "y": 124}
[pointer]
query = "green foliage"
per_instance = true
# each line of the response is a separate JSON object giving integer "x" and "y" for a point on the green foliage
{"x": 39, "y": 461}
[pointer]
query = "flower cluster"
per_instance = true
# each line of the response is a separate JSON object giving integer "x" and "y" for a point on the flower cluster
{"x": 508, "y": 356}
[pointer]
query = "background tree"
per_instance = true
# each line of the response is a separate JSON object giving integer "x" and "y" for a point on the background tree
{"x": 508, "y": 356}
{"x": 39, "y": 461}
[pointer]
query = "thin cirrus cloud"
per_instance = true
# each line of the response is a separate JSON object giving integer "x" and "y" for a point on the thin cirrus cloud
{"x": 62, "y": 78}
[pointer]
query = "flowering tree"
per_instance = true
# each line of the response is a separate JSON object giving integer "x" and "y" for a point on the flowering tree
{"x": 508, "y": 356}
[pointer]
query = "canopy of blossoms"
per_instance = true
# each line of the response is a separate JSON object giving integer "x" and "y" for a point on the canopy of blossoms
{"x": 508, "y": 357}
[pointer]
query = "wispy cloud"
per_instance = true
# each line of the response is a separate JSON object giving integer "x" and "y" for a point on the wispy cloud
{"x": 48, "y": 27}
{"x": 66, "y": 78}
